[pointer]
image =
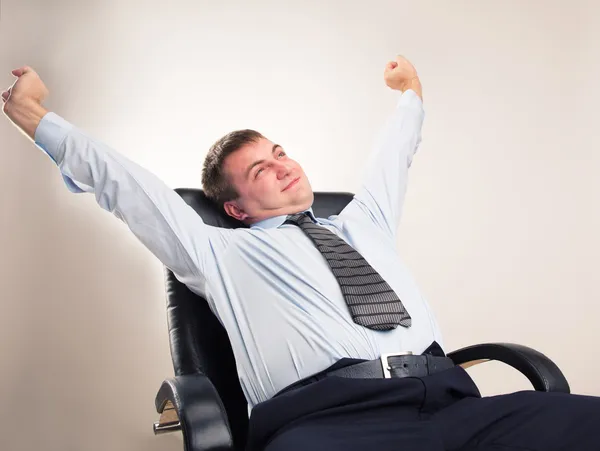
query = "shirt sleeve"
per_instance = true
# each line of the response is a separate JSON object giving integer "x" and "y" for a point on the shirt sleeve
{"x": 155, "y": 213}
{"x": 381, "y": 195}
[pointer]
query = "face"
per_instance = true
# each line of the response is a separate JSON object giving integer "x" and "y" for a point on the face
{"x": 269, "y": 183}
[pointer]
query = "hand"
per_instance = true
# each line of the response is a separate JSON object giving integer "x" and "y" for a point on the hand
{"x": 27, "y": 88}
{"x": 23, "y": 100}
{"x": 400, "y": 74}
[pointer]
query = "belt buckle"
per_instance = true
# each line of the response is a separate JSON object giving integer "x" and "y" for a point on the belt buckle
{"x": 385, "y": 365}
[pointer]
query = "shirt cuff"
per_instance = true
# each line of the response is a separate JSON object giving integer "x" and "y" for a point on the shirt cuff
{"x": 49, "y": 136}
{"x": 50, "y": 133}
{"x": 410, "y": 98}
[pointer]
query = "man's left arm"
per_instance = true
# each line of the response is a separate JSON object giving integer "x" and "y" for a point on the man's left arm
{"x": 383, "y": 190}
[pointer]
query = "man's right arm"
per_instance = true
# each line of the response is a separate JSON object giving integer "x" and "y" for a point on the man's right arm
{"x": 155, "y": 213}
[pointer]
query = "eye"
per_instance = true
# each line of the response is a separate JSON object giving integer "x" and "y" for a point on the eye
{"x": 258, "y": 172}
{"x": 282, "y": 153}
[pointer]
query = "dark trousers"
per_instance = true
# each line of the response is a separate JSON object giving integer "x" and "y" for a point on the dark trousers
{"x": 440, "y": 412}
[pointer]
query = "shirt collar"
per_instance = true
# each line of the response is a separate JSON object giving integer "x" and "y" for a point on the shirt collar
{"x": 277, "y": 221}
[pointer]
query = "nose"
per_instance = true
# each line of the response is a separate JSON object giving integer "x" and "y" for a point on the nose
{"x": 283, "y": 169}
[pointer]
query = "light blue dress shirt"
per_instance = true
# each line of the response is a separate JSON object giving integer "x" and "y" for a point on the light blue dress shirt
{"x": 269, "y": 285}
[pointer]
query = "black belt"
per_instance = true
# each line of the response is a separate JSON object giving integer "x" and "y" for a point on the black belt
{"x": 403, "y": 364}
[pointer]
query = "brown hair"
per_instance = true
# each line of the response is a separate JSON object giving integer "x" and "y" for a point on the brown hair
{"x": 215, "y": 182}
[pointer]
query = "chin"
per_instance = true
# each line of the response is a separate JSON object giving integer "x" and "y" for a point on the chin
{"x": 307, "y": 199}
{"x": 307, "y": 189}
{"x": 303, "y": 198}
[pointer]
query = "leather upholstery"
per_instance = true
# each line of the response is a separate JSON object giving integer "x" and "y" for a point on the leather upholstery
{"x": 542, "y": 372}
{"x": 206, "y": 391}
{"x": 201, "y": 414}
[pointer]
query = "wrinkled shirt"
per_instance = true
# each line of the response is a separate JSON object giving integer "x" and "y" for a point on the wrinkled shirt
{"x": 268, "y": 284}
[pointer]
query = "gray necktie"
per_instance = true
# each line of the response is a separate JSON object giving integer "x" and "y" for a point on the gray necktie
{"x": 371, "y": 301}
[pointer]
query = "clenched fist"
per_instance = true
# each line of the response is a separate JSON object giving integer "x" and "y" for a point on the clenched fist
{"x": 23, "y": 100}
{"x": 402, "y": 75}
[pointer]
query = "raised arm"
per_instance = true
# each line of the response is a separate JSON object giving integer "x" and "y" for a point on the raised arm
{"x": 155, "y": 213}
{"x": 382, "y": 193}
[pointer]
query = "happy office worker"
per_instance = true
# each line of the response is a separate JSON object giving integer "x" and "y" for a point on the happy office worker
{"x": 328, "y": 289}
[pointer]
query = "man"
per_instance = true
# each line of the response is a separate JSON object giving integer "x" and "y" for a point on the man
{"x": 310, "y": 303}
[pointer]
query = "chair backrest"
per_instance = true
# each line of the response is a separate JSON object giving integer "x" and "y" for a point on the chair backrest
{"x": 199, "y": 343}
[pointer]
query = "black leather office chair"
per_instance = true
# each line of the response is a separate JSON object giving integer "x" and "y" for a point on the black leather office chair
{"x": 205, "y": 401}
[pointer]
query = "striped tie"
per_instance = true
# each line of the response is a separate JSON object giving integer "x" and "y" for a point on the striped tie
{"x": 371, "y": 301}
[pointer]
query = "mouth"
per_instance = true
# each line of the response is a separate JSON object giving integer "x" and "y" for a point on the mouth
{"x": 292, "y": 183}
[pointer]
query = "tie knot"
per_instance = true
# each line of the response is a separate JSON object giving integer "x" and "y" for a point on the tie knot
{"x": 297, "y": 218}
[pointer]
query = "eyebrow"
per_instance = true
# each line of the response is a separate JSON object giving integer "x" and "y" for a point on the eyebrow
{"x": 257, "y": 162}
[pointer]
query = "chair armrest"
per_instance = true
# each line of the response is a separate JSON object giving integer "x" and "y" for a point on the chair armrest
{"x": 539, "y": 369}
{"x": 200, "y": 412}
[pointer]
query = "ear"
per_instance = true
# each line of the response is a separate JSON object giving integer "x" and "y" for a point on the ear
{"x": 233, "y": 209}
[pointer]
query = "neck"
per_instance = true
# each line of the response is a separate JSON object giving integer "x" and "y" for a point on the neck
{"x": 266, "y": 218}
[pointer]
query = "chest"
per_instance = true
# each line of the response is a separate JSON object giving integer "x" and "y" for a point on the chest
{"x": 287, "y": 253}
